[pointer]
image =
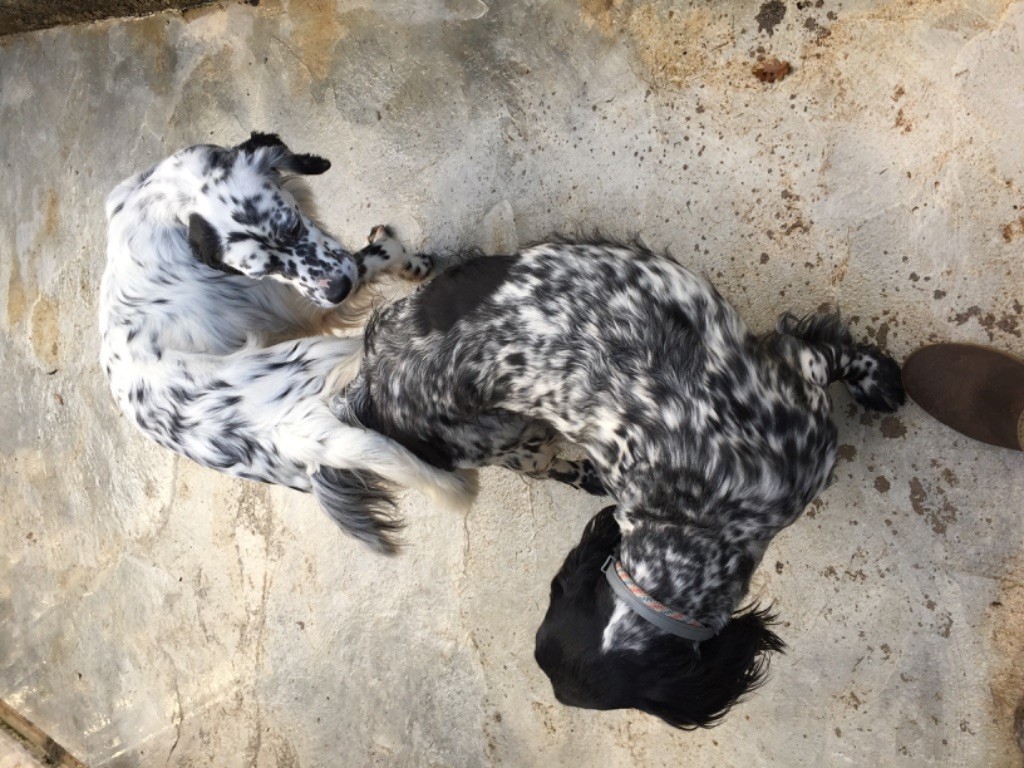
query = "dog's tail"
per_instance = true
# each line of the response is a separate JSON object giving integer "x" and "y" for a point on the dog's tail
{"x": 358, "y": 473}
{"x": 362, "y": 503}
{"x": 829, "y": 354}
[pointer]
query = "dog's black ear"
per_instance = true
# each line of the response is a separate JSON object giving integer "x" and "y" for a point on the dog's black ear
{"x": 731, "y": 665}
{"x": 206, "y": 244}
{"x": 604, "y": 529}
{"x": 307, "y": 165}
{"x": 282, "y": 158}
{"x": 581, "y": 568}
{"x": 257, "y": 140}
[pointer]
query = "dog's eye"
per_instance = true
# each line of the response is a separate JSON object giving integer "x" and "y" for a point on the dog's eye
{"x": 295, "y": 229}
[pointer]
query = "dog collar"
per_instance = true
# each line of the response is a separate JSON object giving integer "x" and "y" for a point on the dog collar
{"x": 649, "y": 609}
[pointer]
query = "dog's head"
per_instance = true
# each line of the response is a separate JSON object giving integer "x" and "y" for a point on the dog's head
{"x": 252, "y": 217}
{"x": 660, "y": 674}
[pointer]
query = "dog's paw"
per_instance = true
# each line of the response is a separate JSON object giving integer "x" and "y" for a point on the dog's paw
{"x": 589, "y": 480}
{"x": 382, "y": 241}
{"x": 419, "y": 266}
{"x": 873, "y": 379}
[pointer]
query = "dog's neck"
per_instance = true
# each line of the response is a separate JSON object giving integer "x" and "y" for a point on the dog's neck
{"x": 694, "y": 570}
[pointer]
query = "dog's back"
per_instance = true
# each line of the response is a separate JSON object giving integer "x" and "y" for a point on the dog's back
{"x": 624, "y": 352}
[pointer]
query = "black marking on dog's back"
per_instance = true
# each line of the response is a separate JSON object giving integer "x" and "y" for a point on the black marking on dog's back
{"x": 442, "y": 303}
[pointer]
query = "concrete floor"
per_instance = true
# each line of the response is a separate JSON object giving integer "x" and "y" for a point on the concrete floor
{"x": 157, "y": 613}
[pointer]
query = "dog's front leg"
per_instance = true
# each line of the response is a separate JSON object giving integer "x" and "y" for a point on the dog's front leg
{"x": 384, "y": 252}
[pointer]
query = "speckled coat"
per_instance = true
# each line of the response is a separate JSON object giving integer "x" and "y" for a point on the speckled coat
{"x": 708, "y": 438}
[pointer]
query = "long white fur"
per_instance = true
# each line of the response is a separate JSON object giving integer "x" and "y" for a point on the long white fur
{"x": 195, "y": 342}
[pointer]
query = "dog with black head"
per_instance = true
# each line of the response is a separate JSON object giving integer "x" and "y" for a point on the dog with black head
{"x": 709, "y": 438}
{"x": 684, "y": 683}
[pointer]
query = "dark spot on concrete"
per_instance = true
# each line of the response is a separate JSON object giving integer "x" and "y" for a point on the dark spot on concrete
{"x": 771, "y": 70}
{"x": 779, "y": 566}
{"x": 938, "y": 294}
{"x": 1013, "y": 230}
{"x": 813, "y": 508}
{"x": 882, "y": 337}
{"x": 847, "y": 452}
{"x": 940, "y": 515}
{"x": 868, "y": 418}
{"x": 892, "y": 427}
{"x": 764, "y": 258}
{"x": 941, "y": 518}
{"x": 918, "y": 495}
{"x": 1008, "y": 323}
{"x": 811, "y": 24}
{"x": 882, "y": 484}
{"x": 770, "y": 15}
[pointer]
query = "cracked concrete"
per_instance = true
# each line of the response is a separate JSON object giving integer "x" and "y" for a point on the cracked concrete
{"x": 157, "y": 613}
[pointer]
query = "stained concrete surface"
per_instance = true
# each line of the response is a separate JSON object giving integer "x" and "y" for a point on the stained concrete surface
{"x": 156, "y": 613}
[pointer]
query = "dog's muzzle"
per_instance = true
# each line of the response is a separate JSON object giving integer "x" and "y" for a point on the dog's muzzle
{"x": 338, "y": 290}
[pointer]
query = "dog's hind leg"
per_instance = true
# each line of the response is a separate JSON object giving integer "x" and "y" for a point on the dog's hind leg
{"x": 579, "y": 474}
{"x": 535, "y": 457}
{"x": 829, "y": 354}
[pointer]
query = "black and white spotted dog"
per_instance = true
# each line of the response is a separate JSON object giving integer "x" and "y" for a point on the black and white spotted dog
{"x": 218, "y": 288}
{"x": 710, "y": 440}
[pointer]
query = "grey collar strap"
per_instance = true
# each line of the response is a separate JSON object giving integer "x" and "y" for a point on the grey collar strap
{"x": 649, "y": 609}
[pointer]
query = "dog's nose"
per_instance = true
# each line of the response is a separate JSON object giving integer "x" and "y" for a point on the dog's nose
{"x": 338, "y": 290}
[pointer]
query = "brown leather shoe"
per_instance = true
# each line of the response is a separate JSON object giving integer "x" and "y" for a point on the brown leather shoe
{"x": 978, "y": 391}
